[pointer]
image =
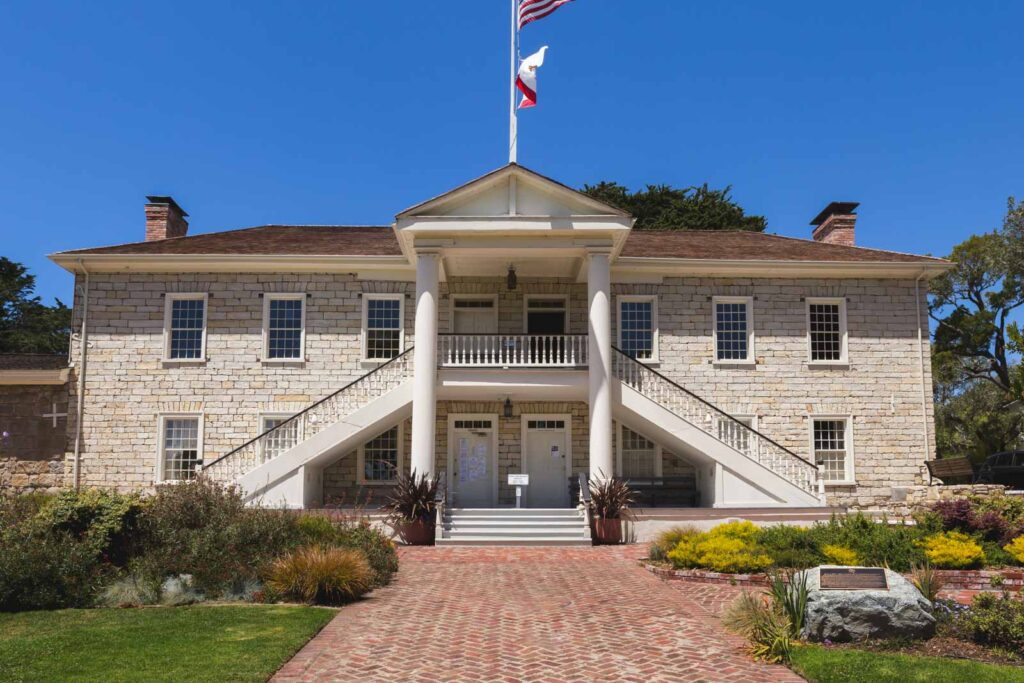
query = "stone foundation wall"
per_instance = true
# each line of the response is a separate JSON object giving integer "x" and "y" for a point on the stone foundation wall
{"x": 31, "y": 447}
{"x": 907, "y": 500}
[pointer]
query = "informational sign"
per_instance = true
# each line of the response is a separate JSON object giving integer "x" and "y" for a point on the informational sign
{"x": 852, "y": 579}
{"x": 519, "y": 480}
{"x": 555, "y": 452}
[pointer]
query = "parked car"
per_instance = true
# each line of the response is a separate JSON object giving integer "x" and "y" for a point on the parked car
{"x": 1003, "y": 468}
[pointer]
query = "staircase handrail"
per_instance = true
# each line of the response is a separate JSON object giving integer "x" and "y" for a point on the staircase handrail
{"x": 310, "y": 407}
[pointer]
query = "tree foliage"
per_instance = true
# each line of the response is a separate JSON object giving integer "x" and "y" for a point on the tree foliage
{"x": 979, "y": 379}
{"x": 663, "y": 207}
{"x": 27, "y": 325}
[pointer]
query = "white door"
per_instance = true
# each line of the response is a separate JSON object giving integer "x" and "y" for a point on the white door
{"x": 546, "y": 462}
{"x": 472, "y": 462}
{"x": 474, "y": 316}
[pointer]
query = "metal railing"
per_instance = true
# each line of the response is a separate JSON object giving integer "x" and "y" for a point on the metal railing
{"x": 717, "y": 423}
{"x": 512, "y": 350}
{"x": 311, "y": 421}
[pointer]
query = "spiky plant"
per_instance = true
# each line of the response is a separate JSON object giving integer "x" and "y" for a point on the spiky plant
{"x": 414, "y": 497}
{"x": 609, "y": 498}
{"x": 926, "y": 579}
{"x": 788, "y": 591}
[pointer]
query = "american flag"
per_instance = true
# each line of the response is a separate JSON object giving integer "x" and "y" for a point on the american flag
{"x": 532, "y": 10}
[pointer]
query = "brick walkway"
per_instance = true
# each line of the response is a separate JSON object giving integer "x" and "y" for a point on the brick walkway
{"x": 530, "y": 614}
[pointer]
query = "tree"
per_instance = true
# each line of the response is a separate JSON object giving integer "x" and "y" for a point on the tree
{"x": 662, "y": 207}
{"x": 27, "y": 325}
{"x": 979, "y": 379}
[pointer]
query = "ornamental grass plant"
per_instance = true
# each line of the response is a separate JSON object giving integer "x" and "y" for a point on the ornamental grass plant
{"x": 323, "y": 576}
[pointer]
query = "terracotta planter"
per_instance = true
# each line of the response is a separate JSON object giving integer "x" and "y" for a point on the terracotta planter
{"x": 608, "y": 531}
{"x": 419, "y": 532}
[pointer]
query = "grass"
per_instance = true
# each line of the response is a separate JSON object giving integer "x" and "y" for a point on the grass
{"x": 201, "y": 643}
{"x": 840, "y": 665}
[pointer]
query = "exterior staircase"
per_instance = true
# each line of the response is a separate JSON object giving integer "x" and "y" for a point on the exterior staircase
{"x": 514, "y": 526}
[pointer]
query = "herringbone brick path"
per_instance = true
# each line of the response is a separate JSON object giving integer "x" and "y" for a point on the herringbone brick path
{"x": 530, "y": 614}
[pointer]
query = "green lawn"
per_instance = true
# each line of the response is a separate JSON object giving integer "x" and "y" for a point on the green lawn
{"x": 835, "y": 665}
{"x": 202, "y": 643}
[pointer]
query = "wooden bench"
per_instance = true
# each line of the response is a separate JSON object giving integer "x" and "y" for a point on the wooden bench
{"x": 951, "y": 470}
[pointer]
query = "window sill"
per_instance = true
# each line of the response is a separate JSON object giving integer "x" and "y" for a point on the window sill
{"x": 376, "y": 483}
{"x": 370, "y": 363}
{"x": 734, "y": 363}
{"x": 184, "y": 361}
{"x": 828, "y": 365}
{"x": 283, "y": 361}
{"x": 839, "y": 484}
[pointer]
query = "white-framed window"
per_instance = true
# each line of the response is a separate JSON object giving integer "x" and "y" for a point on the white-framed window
{"x": 638, "y": 327}
{"x": 284, "y": 327}
{"x": 281, "y": 439}
{"x": 639, "y": 457}
{"x": 735, "y": 433}
{"x": 826, "y": 331}
{"x": 733, "y": 329}
{"x": 180, "y": 449}
{"x": 383, "y": 326}
{"x": 185, "y": 327}
{"x": 832, "y": 445}
{"x": 381, "y": 458}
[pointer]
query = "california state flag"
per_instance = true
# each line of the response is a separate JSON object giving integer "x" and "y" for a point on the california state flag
{"x": 526, "y": 81}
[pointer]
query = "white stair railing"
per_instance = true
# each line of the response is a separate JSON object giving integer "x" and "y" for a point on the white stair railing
{"x": 512, "y": 350}
{"x": 310, "y": 421}
{"x": 718, "y": 423}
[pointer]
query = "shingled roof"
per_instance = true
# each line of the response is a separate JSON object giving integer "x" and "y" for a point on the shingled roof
{"x": 32, "y": 361}
{"x": 338, "y": 240}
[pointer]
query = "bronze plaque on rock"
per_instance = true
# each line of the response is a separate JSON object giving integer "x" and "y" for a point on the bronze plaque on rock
{"x": 852, "y": 579}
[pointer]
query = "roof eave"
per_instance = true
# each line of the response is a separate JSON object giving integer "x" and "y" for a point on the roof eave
{"x": 781, "y": 267}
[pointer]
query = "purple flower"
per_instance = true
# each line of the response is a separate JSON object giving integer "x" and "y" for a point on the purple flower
{"x": 827, "y": 642}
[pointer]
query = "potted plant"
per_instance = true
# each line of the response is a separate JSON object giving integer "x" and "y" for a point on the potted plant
{"x": 412, "y": 508}
{"x": 609, "y": 499}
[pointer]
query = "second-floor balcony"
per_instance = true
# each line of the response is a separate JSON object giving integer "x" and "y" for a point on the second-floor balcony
{"x": 512, "y": 350}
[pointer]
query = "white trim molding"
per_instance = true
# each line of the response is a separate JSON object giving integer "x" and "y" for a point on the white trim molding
{"x": 361, "y": 479}
{"x": 169, "y": 300}
{"x": 848, "y": 463}
{"x": 367, "y": 298}
{"x": 493, "y": 419}
{"x": 655, "y": 327}
{"x": 748, "y": 302}
{"x": 265, "y": 348}
{"x": 527, "y": 298}
{"x": 160, "y": 456}
{"x": 524, "y": 421}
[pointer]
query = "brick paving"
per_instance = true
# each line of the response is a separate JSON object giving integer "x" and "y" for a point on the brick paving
{"x": 530, "y": 614}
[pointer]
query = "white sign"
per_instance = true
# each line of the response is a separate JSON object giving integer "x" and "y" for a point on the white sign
{"x": 519, "y": 480}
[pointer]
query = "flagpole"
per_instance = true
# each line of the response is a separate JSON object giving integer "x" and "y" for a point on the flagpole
{"x": 513, "y": 123}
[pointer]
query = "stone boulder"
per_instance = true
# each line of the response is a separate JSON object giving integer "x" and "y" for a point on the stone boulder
{"x": 845, "y": 615}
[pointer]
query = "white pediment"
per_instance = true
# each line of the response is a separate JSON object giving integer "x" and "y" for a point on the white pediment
{"x": 512, "y": 191}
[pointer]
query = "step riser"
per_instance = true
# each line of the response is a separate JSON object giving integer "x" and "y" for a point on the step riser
{"x": 525, "y": 543}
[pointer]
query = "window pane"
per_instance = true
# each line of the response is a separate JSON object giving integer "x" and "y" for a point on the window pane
{"x": 731, "y": 331}
{"x": 380, "y": 457}
{"x": 181, "y": 448}
{"x": 383, "y": 328}
{"x": 186, "y": 328}
{"x": 281, "y": 439}
{"x": 830, "y": 448}
{"x": 637, "y": 321}
{"x": 638, "y": 454}
{"x": 825, "y": 331}
{"x": 284, "y": 328}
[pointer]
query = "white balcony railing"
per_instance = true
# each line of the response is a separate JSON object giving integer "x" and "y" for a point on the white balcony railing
{"x": 512, "y": 350}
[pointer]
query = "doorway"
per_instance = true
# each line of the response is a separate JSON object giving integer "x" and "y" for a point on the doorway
{"x": 472, "y": 461}
{"x": 474, "y": 314}
{"x": 547, "y": 458}
{"x": 546, "y": 315}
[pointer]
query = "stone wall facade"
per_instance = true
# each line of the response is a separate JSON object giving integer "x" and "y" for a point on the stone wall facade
{"x": 33, "y": 427}
{"x": 128, "y": 385}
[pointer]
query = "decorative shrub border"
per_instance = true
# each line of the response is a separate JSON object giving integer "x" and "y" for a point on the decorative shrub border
{"x": 953, "y": 579}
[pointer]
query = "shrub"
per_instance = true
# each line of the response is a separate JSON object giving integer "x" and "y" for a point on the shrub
{"x": 876, "y": 543}
{"x": 953, "y": 550}
{"x": 104, "y": 520}
{"x": 1015, "y": 549}
{"x": 996, "y": 620}
{"x": 205, "y": 530}
{"x": 761, "y": 623}
{"x": 46, "y": 571}
{"x": 841, "y": 555}
{"x": 720, "y": 553}
{"x": 667, "y": 540}
{"x": 378, "y": 549}
{"x": 956, "y": 515}
{"x": 131, "y": 590}
{"x": 744, "y": 531}
{"x": 995, "y": 518}
{"x": 789, "y": 546}
{"x": 327, "y": 576}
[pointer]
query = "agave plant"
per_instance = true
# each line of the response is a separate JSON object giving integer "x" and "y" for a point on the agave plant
{"x": 609, "y": 498}
{"x": 413, "y": 498}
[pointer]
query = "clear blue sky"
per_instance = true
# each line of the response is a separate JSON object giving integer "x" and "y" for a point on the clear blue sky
{"x": 347, "y": 112}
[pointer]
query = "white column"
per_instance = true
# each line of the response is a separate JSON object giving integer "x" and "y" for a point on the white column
{"x": 424, "y": 381}
{"x": 600, "y": 363}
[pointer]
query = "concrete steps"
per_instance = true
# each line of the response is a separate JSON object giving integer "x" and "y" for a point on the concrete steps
{"x": 511, "y": 526}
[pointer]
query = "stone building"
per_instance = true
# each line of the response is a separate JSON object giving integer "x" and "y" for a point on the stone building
{"x": 509, "y": 326}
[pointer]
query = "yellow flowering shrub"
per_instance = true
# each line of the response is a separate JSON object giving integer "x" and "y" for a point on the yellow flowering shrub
{"x": 953, "y": 550}
{"x": 841, "y": 555}
{"x": 727, "y": 548}
{"x": 1016, "y": 549}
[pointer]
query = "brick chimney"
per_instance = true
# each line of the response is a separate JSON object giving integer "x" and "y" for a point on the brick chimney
{"x": 164, "y": 218}
{"x": 835, "y": 223}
